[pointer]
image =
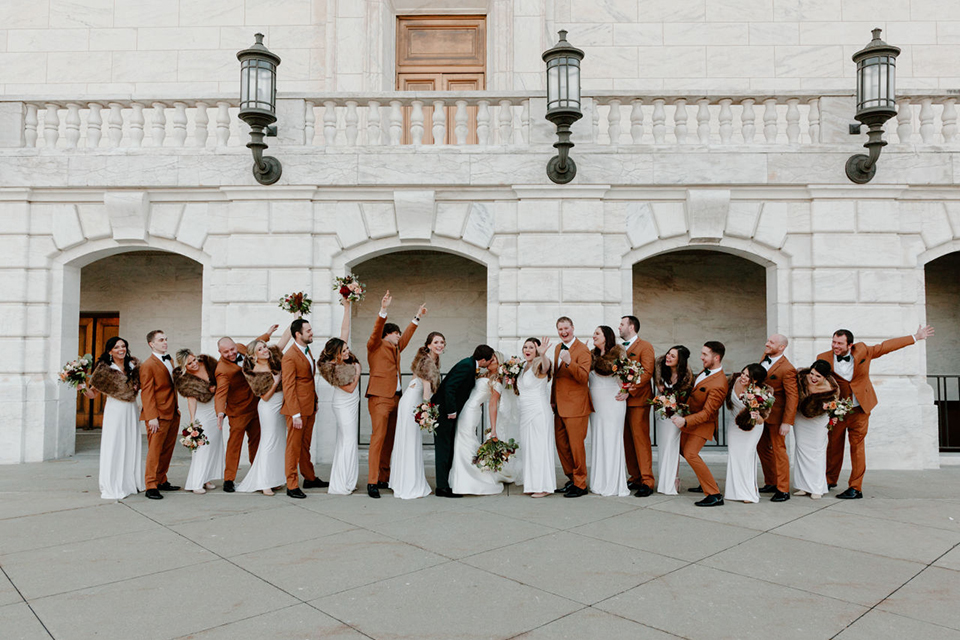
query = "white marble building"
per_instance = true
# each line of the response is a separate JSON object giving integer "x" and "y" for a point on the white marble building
{"x": 710, "y": 199}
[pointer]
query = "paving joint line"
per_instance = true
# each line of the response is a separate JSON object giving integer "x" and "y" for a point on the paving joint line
{"x": 25, "y": 601}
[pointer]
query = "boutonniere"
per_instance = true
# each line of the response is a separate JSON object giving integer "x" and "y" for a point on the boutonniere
{"x": 773, "y": 377}
{"x": 703, "y": 388}
{"x": 862, "y": 360}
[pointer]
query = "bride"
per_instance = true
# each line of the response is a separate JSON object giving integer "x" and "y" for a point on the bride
{"x": 408, "y": 480}
{"x": 608, "y": 466}
{"x": 465, "y": 477}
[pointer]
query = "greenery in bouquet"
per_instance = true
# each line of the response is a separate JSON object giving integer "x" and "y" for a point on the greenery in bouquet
{"x": 296, "y": 303}
{"x": 76, "y": 372}
{"x": 494, "y": 453}
{"x": 349, "y": 288}
{"x": 668, "y": 405}
{"x": 628, "y": 372}
{"x": 509, "y": 371}
{"x": 838, "y": 411}
{"x": 427, "y": 415}
{"x": 192, "y": 436}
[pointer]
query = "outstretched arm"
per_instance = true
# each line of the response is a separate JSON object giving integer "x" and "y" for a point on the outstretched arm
{"x": 345, "y": 325}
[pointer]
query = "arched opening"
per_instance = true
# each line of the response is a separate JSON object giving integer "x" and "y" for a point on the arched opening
{"x": 943, "y": 373}
{"x": 454, "y": 289}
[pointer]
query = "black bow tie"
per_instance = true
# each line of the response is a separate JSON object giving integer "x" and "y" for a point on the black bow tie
{"x": 166, "y": 357}
{"x": 706, "y": 372}
{"x": 563, "y": 347}
{"x": 843, "y": 358}
{"x": 238, "y": 360}
{"x": 765, "y": 360}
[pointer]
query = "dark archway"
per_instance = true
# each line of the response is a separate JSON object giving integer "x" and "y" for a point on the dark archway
{"x": 943, "y": 372}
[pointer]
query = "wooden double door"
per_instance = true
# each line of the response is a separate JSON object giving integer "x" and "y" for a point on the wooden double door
{"x": 441, "y": 53}
{"x": 95, "y": 330}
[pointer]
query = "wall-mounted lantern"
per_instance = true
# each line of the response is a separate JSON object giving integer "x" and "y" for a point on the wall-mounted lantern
{"x": 876, "y": 103}
{"x": 563, "y": 104}
{"x": 258, "y": 105}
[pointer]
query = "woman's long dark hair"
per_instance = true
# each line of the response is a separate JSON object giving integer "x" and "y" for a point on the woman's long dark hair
{"x": 757, "y": 373}
{"x": 683, "y": 368}
{"x": 823, "y": 368}
{"x": 106, "y": 358}
{"x": 609, "y": 340}
{"x": 332, "y": 349}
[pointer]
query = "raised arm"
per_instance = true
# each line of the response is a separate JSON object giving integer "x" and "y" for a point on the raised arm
{"x": 411, "y": 328}
{"x": 284, "y": 339}
{"x": 345, "y": 325}
{"x": 887, "y": 346}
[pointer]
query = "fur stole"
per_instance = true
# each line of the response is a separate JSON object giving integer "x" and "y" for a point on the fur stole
{"x": 603, "y": 365}
{"x": 660, "y": 372}
{"x": 811, "y": 403}
{"x": 191, "y": 386}
{"x": 338, "y": 375}
{"x": 260, "y": 381}
{"x": 426, "y": 369}
{"x": 116, "y": 384}
{"x": 743, "y": 418}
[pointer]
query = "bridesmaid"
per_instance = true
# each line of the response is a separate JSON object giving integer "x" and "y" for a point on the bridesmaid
{"x": 536, "y": 420}
{"x": 117, "y": 376}
{"x": 341, "y": 369}
{"x": 817, "y": 388}
{"x": 608, "y": 468}
{"x": 262, "y": 372}
{"x": 195, "y": 379}
{"x": 671, "y": 375}
{"x": 743, "y": 436}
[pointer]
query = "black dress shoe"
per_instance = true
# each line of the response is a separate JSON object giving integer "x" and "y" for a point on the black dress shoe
{"x": 644, "y": 491}
{"x": 768, "y": 488}
{"x": 296, "y": 493}
{"x": 228, "y": 486}
{"x": 565, "y": 487}
{"x": 831, "y": 486}
{"x": 575, "y": 492}
{"x": 373, "y": 491}
{"x": 696, "y": 489}
{"x": 316, "y": 483}
{"x": 713, "y": 500}
{"x": 780, "y": 496}
{"x": 154, "y": 494}
{"x": 383, "y": 485}
{"x": 166, "y": 486}
{"x": 634, "y": 486}
{"x": 447, "y": 493}
{"x": 850, "y": 494}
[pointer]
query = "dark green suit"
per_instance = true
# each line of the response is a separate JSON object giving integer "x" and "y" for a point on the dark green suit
{"x": 451, "y": 396}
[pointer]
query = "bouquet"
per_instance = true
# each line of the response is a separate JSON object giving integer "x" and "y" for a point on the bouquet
{"x": 296, "y": 303}
{"x": 838, "y": 410}
{"x": 427, "y": 416}
{"x": 494, "y": 453}
{"x": 667, "y": 405}
{"x": 192, "y": 436}
{"x": 350, "y": 288}
{"x": 628, "y": 372}
{"x": 509, "y": 372}
{"x": 757, "y": 400}
{"x": 75, "y": 372}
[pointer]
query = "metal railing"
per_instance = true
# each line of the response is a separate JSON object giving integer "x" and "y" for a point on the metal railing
{"x": 946, "y": 389}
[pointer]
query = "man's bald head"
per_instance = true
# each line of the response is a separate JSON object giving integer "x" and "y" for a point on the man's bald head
{"x": 776, "y": 344}
{"x": 227, "y": 348}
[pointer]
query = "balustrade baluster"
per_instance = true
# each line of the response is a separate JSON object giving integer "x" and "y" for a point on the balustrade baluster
{"x": 703, "y": 120}
{"x": 460, "y": 120}
{"x": 439, "y": 123}
{"x": 330, "y": 123}
{"x": 770, "y": 120}
{"x": 748, "y": 121}
{"x": 506, "y": 122}
{"x": 483, "y": 122}
{"x": 613, "y": 122}
{"x": 416, "y": 123}
{"x": 158, "y": 130}
{"x": 309, "y": 122}
{"x": 94, "y": 125}
{"x": 525, "y": 121}
{"x": 136, "y": 124}
{"x": 223, "y": 123}
{"x": 115, "y": 122}
{"x": 726, "y": 120}
{"x": 51, "y": 125}
{"x": 793, "y": 121}
{"x": 949, "y": 118}
{"x": 72, "y": 133}
{"x": 680, "y": 120}
{"x": 636, "y": 121}
{"x": 201, "y": 122}
{"x": 352, "y": 119}
{"x": 905, "y": 121}
{"x": 373, "y": 123}
{"x": 30, "y": 126}
{"x": 396, "y": 122}
{"x": 595, "y": 121}
{"x": 179, "y": 134}
{"x": 813, "y": 117}
{"x": 926, "y": 120}
{"x": 659, "y": 120}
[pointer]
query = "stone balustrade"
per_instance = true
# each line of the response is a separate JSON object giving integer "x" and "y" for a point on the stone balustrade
{"x": 435, "y": 119}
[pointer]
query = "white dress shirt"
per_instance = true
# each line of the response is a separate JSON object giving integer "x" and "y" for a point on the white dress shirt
{"x": 166, "y": 363}
{"x": 629, "y": 342}
{"x": 773, "y": 361}
{"x": 556, "y": 359}
{"x": 701, "y": 377}
{"x": 845, "y": 370}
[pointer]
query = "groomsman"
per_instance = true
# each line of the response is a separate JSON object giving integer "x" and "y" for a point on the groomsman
{"x": 383, "y": 391}
{"x": 570, "y": 398}
{"x": 160, "y": 412}
{"x": 709, "y": 392}
{"x": 236, "y": 401}
{"x": 300, "y": 409}
{"x": 851, "y": 369}
{"x": 772, "y": 448}
{"x": 636, "y": 430}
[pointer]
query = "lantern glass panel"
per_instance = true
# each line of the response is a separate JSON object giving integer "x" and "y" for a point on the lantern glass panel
{"x": 564, "y": 83}
{"x": 871, "y": 83}
{"x": 553, "y": 84}
{"x": 244, "y": 83}
{"x": 574, "y": 86}
{"x": 891, "y": 86}
{"x": 265, "y": 86}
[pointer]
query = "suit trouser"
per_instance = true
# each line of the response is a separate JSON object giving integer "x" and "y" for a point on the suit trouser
{"x": 383, "y": 419}
{"x": 443, "y": 440}
{"x": 690, "y": 446}
{"x": 160, "y": 446}
{"x": 245, "y": 423}
{"x": 772, "y": 450}
{"x": 570, "y": 433}
{"x": 637, "y": 447}
{"x": 298, "y": 451}
{"x": 855, "y": 427}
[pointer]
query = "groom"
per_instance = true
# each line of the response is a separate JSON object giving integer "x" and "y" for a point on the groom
{"x": 450, "y": 397}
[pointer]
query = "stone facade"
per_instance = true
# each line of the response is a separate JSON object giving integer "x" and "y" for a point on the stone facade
{"x": 712, "y": 128}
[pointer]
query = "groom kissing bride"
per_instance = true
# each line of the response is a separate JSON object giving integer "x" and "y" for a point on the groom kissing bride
{"x": 450, "y": 397}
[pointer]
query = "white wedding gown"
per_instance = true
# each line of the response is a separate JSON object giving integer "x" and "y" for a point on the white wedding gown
{"x": 536, "y": 434}
{"x": 465, "y": 477}
{"x": 608, "y": 464}
{"x": 207, "y": 462}
{"x": 269, "y": 468}
{"x": 345, "y": 467}
{"x": 121, "y": 464}
{"x": 810, "y": 465}
{"x": 508, "y": 426}
{"x": 668, "y": 453}
{"x": 408, "y": 480}
{"x": 741, "y": 457}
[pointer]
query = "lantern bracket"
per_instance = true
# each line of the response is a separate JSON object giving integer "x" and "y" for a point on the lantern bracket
{"x": 855, "y": 129}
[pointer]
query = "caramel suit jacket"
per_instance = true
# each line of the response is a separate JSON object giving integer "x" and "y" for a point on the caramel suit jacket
{"x": 157, "y": 393}
{"x": 383, "y": 359}
{"x": 860, "y": 383}
{"x": 705, "y": 401}
{"x": 299, "y": 385}
{"x": 570, "y": 392}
